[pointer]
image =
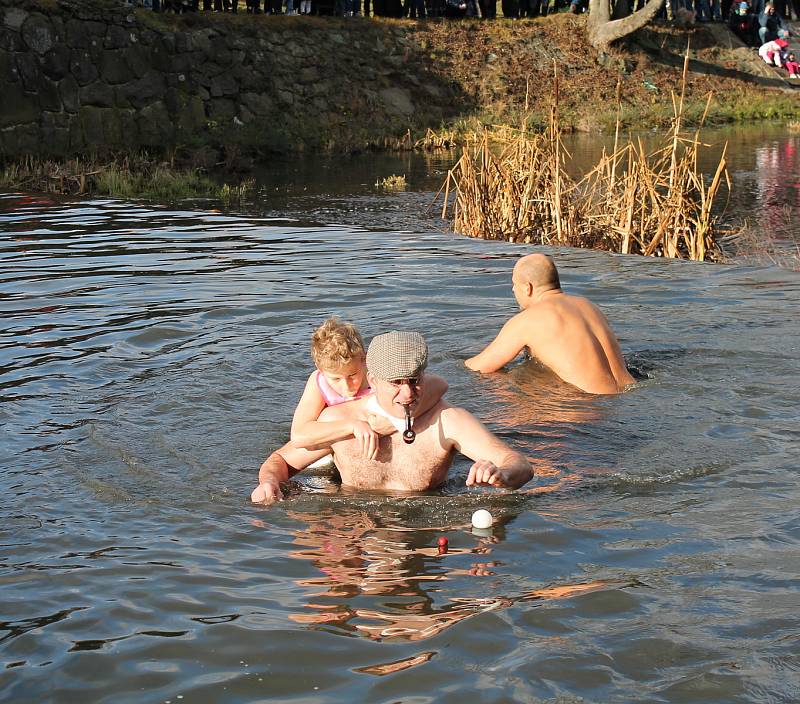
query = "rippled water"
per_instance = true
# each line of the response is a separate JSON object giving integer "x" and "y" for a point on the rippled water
{"x": 151, "y": 358}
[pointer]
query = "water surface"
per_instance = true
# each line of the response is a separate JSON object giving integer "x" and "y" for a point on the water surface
{"x": 151, "y": 357}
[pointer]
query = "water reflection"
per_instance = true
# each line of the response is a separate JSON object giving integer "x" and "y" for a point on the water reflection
{"x": 358, "y": 557}
{"x": 778, "y": 195}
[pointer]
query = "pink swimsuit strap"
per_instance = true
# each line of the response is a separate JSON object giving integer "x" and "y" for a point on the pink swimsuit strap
{"x": 333, "y": 397}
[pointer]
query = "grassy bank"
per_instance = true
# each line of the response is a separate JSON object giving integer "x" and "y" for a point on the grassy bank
{"x": 138, "y": 176}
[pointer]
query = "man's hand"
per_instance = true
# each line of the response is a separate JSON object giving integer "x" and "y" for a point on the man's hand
{"x": 368, "y": 439}
{"x": 268, "y": 492}
{"x": 486, "y": 473}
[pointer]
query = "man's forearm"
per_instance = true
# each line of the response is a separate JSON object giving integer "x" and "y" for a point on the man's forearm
{"x": 274, "y": 468}
{"x": 479, "y": 363}
{"x": 517, "y": 470}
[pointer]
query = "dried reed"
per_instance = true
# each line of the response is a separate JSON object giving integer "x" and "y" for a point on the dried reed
{"x": 132, "y": 176}
{"x": 434, "y": 141}
{"x": 392, "y": 183}
{"x": 513, "y": 185}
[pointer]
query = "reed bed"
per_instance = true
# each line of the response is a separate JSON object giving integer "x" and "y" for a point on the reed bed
{"x": 128, "y": 177}
{"x": 514, "y": 186}
{"x": 392, "y": 183}
{"x": 436, "y": 141}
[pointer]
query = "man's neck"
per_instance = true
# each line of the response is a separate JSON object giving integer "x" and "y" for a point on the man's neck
{"x": 542, "y": 294}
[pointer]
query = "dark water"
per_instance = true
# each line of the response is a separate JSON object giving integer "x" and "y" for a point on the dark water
{"x": 152, "y": 357}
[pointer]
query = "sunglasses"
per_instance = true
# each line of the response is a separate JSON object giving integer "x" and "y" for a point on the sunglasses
{"x": 411, "y": 381}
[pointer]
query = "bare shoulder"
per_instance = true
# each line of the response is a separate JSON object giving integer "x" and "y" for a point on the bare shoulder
{"x": 456, "y": 420}
{"x": 342, "y": 411}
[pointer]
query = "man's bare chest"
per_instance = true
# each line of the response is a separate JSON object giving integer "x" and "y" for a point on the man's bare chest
{"x": 419, "y": 466}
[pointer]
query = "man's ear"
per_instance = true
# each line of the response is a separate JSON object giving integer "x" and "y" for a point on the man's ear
{"x": 371, "y": 379}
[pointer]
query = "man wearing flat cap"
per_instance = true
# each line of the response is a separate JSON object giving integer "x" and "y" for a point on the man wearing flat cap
{"x": 396, "y": 363}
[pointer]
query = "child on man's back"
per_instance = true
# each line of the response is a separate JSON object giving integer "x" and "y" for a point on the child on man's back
{"x": 341, "y": 375}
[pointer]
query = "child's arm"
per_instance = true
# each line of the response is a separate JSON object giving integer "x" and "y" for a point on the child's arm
{"x": 312, "y": 434}
{"x": 310, "y": 405}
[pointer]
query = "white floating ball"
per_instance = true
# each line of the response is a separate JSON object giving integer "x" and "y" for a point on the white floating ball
{"x": 482, "y": 518}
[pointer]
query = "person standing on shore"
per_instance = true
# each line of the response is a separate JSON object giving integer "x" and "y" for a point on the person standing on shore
{"x": 566, "y": 333}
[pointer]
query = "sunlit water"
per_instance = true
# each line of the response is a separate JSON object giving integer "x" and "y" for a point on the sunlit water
{"x": 152, "y": 357}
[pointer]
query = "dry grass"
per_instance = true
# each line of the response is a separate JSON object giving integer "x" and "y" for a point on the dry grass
{"x": 128, "y": 177}
{"x": 435, "y": 141}
{"x": 513, "y": 185}
{"x": 392, "y": 183}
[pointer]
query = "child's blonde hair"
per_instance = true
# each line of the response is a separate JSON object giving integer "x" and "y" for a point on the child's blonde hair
{"x": 335, "y": 344}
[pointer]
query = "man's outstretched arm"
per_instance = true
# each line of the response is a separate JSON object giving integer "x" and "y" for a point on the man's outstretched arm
{"x": 278, "y": 467}
{"x": 495, "y": 463}
{"x": 500, "y": 351}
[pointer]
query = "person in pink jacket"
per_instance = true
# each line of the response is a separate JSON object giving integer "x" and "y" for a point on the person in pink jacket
{"x": 771, "y": 52}
{"x": 790, "y": 62}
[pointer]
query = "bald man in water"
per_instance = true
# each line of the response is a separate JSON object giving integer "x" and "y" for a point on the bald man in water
{"x": 566, "y": 333}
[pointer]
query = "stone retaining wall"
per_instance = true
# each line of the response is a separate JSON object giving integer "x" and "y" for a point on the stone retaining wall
{"x": 78, "y": 77}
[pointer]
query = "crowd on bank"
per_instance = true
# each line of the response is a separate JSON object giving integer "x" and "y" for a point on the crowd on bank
{"x": 414, "y": 9}
{"x": 750, "y": 19}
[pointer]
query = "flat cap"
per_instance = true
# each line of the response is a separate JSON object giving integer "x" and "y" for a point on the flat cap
{"x": 397, "y": 355}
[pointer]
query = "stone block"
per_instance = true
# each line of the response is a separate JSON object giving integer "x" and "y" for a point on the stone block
{"x": 245, "y": 115}
{"x": 308, "y": 74}
{"x": 55, "y": 134}
{"x": 69, "y": 90}
{"x": 117, "y": 37}
{"x": 129, "y": 126}
{"x": 77, "y": 140}
{"x": 114, "y": 68}
{"x": 221, "y": 110}
{"x": 113, "y": 137}
{"x": 49, "y": 96}
{"x": 183, "y": 42}
{"x": 166, "y": 44}
{"x": 257, "y": 103}
{"x": 173, "y": 100}
{"x": 82, "y": 67}
{"x": 211, "y": 69}
{"x": 191, "y": 116}
{"x": 138, "y": 60}
{"x": 82, "y": 34}
{"x": 10, "y": 40}
{"x": 14, "y": 18}
{"x": 98, "y": 94}
{"x": 55, "y": 63}
{"x": 155, "y": 127}
{"x": 37, "y": 33}
{"x": 8, "y": 67}
{"x": 90, "y": 120}
{"x": 145, "y": 90}
{"x": 18, "y": 108}
{"x": 223, "y": 85}
{"x": 21, "y": 140}
{"x": 28, "y": 71}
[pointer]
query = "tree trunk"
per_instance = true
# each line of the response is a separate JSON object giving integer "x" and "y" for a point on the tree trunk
{"x": 603, "y": 30}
